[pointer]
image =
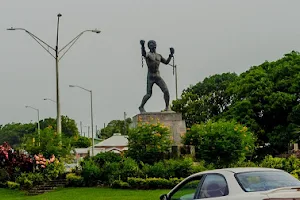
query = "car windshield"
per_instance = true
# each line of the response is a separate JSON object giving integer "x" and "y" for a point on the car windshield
{"x": 265, "y": 180}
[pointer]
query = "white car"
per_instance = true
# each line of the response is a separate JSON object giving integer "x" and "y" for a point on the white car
{"x": 237, "y": 184}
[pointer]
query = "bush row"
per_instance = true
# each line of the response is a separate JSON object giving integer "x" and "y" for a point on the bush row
{"x": 131, "y": 183}
{"x": 153, "y": 183}
{"x": 74, "y": 180}
{"x": 113, "y": 169}
{"x": 107, "y": 172}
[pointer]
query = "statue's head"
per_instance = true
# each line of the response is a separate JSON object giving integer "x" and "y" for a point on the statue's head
{"x": 152, "y": 45}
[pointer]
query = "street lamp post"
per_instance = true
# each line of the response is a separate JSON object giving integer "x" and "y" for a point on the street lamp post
{"x": 38, "y": 118}
{"x": 56, "y": 50}
{"x": 125, "y": 125}
{"x": 92, "y": 118}
{"x": 81, "y": 128}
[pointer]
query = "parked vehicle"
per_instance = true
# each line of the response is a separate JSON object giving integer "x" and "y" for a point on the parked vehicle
{"x": 237, "y": 184}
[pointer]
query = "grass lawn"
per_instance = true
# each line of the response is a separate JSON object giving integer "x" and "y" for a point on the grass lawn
{"x": 85, "y": 194}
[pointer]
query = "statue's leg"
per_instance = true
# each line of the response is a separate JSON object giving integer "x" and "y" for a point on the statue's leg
{"x": 150, "y": 83}
{"x": 163, "y": 86}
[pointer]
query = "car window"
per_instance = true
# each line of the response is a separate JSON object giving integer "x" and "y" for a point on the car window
{"x": 187, "y": 190}
{"x": 265, "y": 180}
{"x": 214, "y": 185}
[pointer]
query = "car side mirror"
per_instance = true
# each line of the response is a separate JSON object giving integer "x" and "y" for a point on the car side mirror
{"x": 163, "y": 197}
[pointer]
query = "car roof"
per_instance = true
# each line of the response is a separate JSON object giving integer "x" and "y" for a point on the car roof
{"x": 238, "y": 170}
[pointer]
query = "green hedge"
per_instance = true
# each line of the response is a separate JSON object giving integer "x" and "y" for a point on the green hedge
{"x": 13, "y": 185}
{"x": 289, "y": 164}
{"x": 164, "y": 174}
{"x": 74, "y": 180}
{"x": 28, "y": 180}
{"x": 119, "y": 184}
{"x": 174, "y": 168}
{"x": 153, "y": 183}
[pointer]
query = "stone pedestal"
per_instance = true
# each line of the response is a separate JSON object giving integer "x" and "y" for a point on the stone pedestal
{"x": 171, "y": 119}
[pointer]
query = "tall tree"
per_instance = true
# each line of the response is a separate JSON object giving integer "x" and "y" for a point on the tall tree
{"x": 69, "y": 127}
{"x": 13, "y": 132}
{"x": 115, "y": 126}
{"x": 149, "y": 143}
{"x": 206, "y": 99}
{"x": 266, "y": 98}
{"x": 47, "y": 143}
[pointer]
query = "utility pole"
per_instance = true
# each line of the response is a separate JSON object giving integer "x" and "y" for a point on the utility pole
{"x": 81, "y": 128}
{"x": 96, "y": 130}
{"x": 58, "y": 117}
{"x": 125, "y": 127}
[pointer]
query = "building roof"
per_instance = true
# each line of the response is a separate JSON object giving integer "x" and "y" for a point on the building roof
{"x": 81, "y": 150}
{"x": 116, "y": 140}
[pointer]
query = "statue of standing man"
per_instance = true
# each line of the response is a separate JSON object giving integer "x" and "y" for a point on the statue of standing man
{"x": 153, "y": 60}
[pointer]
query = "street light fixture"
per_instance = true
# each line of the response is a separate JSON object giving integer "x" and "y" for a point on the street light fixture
{"x": 92, "y": 120}
{"x": 38, "y": 122}
{"x": 47, "y": 99}
{"x": 47, "y": 47}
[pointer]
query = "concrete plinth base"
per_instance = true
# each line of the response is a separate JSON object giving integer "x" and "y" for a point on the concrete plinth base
{"x": 170, "y": 119}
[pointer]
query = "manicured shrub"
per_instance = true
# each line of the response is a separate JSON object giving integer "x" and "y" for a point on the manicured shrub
{"x": 13, "y": 185}
{"x": 221, "y": 142}
{"x": 74, "y": 180}
{"x": 54, "y": 170}
{"x": 271, "y": 162}
{"x": 289, "y": 164}
{"x": 4, "y": 177}
{"x": 118, "y": 184}
{"x": 110, "y": 172}
{"x": 179, "y": 168}
{"x": 153, "y": 183}
{"x": 129, "y": 168}
{"x": 102, "y": 158}
{"x": 158, "y": 183}
{"x": 149, "y": 143}
{"x": 169, "y": 168}
{"x": 200, "y": 167}
{"x": 90, "y": 172}
{"x": 137, "y": 183}
{"x": 28, "y": 180}
{"x": 157, "y": 170}
{"x": 296, "y": 173}
{"x": 243, "y": 164}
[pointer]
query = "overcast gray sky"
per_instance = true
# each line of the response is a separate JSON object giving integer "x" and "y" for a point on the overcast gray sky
{"x": 209, "y": 37}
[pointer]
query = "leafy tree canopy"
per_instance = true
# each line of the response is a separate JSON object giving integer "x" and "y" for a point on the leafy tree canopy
{"x": 221, "y": 142}
{"x": 14, "y": 133}
{"x": 114, "y": 126}
{"x": 265, "y": 98}
{"x": 206, "y": 99}
{"x": 149, "y": 143}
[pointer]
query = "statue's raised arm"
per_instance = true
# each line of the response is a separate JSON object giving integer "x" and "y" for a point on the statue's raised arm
{"x": 163, "y": 60}
{"x": 142, "y": 42}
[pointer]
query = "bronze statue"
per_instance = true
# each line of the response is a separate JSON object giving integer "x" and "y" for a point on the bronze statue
{"x": 153, "y": 60}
